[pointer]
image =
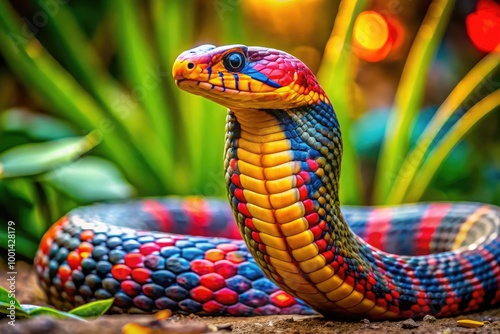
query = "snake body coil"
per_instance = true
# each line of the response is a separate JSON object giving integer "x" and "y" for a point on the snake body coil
{"x": 282, "y": 161}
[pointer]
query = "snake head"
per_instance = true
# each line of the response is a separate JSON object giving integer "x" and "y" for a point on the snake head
{"x": 237, "y": 76}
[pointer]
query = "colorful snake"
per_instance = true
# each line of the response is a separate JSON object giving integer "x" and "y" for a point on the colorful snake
{"x": 298, "y": 254}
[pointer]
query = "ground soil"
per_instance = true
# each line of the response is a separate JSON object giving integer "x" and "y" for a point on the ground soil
{"x": 27, "y": 291}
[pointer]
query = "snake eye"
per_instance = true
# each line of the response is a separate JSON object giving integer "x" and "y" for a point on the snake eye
{"x": 234, "y": 61}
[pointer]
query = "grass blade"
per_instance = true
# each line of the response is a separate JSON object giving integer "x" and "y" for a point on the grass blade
{"x": 87, "y": 68}
{"x": 471, "y": 83}
{"x": 454, "y": 135}
{"x": 336, "y": 77}
{"x": 409, "y": 97}
{"x": 93, "y": 309}
{"x": 175, "y": 20}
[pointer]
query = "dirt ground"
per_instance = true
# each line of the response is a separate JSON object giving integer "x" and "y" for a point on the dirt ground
{"x": 27, "y": 291}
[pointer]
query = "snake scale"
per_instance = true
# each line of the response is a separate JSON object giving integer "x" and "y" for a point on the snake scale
{"x": 298, "y": 254}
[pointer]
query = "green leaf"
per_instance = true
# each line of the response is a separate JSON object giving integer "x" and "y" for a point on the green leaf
{"x": 5, "y": 298}
{"x": 7, "y": 301}
{"x": 32, "y": 159}
{"x": 28, "y": 243}
{"x": 36, "y": 126}
{"x": 35, "y": 310}
{"x": 90, "y": 179}
{"x": 428, "y": 169}
{"x": 93, "y": 309}
{"x": 18, "y": 312}
{"x": 63, "y": 95}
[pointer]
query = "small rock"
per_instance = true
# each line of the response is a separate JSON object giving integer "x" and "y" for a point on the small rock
{"x": 329, "y": 324}
{"x": 212, "y": 328}
{"x": 270, "y": 324}
{"x": 447, "y": 331}
{"x": 364, "y": 321}
{"x": 375, "y": 327}
{"x": 409, "y": 324}
{"x": 429, "y": 318}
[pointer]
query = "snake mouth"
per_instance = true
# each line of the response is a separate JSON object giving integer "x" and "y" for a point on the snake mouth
{"x": 196, "y": 87}
{"x": 179, "y": 81}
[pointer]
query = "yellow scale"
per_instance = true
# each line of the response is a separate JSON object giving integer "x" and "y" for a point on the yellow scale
{"x": 268, "y": 177}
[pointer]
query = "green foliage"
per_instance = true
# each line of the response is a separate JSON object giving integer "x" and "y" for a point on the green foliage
{"x": 409, "y": 95}
{"x": 92, "y": 309}
{"x": 107, "y": 122}
{"x": 41, "y": 177}
{"x": 10, "y": 305}
{"x": 461, "y": 94}
{"x": 33, "y": 159}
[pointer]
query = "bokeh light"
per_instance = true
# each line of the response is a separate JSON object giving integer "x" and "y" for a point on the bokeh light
{"x": 483, "y": 25}
{"x": 375, "y": 36}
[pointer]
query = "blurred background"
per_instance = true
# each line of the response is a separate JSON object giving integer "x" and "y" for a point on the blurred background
{"x": 89, "y": 111}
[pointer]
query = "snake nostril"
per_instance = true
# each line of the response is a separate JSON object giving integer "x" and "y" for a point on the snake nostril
{"x": 190, "y": 66}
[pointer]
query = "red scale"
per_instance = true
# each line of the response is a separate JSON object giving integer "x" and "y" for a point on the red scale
{"x": 235, "y": 179}
{"x": 227, "y": 247}
{"x": 282, "y": 299}
{"x": 165, "y": 242}
{"x": 238, "y": 193}
{"x": 120, "y": 271}
{"x": 64, "y": 272}
{"x": 316, "y": 231}
{"x": 308, "y": 206}
{"x": 312, "y": 218}
{"x": 141, "y": 275}
{"x": 86, "y": 235}
{"x": 213, "y": 281}
{"x": 242, "y": 208}
{"x": 74, "y": 259}
{"x": 202, "y": 267}
{"x": 213, "y": 307}
{"x": 201, "y": 294}
{"x": 249, "y": 224}
{"x": 130, "y": 288}
{"x": 85, "y": 249}
{"x": 256, "y": 237}
{"x": 149, "y": 248}
{"x": 225, "y": 268}
{"x": 226, "y": 296}
{"x": 133, "y": 260}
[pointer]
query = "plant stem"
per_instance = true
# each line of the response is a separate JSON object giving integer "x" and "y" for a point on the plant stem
{"x": 409, "y": 97}
{"x": 454, "y": 135}
{"x": 145, "y": 76}
{"x": 469, "y": 84}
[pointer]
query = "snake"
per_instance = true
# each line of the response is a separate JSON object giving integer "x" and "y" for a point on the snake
{"x": 284, "y": 244}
